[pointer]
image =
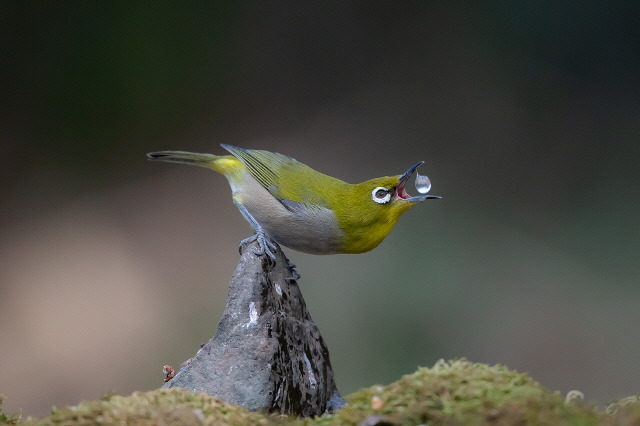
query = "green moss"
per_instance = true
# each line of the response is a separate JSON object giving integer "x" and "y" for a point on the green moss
{"x": 161, "y": 406}
{"x": 625, "y": 411}
{"x": 460, "y": 393}
{"x": 6, "y": 419}
{"x": 450, "y": 393}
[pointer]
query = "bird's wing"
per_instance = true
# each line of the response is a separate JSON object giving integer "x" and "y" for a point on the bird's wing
{"x": 281, "y": 175}
{"x": 262, "y": 165}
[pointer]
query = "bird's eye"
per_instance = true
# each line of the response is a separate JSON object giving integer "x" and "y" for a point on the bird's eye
{"x": 381, "y": 195}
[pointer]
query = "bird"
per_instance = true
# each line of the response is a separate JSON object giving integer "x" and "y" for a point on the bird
{"x": 288, "y": 202}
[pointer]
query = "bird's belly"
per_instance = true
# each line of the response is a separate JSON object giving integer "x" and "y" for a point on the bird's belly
{"x": 314, "y": 231}
{"x": 315, "y": 235}
{"x": 306, "y": 239}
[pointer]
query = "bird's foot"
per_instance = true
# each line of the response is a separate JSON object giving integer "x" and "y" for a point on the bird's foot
{"x": 267, "y": 246}
{"x": 294, "y": 274}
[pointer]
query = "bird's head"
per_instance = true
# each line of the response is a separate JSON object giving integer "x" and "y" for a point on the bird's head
{"x": 390, "y": 190}
{"x": 376, "y": 205}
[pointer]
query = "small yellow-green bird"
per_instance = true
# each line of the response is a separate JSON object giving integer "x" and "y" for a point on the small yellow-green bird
{"x": 298, "y": 207}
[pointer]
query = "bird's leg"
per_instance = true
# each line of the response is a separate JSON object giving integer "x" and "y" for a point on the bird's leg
{"x": 267, "y": 246}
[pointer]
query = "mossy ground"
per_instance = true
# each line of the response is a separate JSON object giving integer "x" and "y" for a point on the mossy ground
{"x": 450, "y": 393}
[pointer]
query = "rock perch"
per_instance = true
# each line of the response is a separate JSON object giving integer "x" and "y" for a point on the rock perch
{"x": 267, "y": 353}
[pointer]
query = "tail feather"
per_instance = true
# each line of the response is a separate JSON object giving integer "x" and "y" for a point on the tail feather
{"x": 225, "y": 164}
{"x": 183, "y": 157}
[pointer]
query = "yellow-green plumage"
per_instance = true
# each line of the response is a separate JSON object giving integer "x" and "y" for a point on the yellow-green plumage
{"x": 367, "y": 223}
{"x": 304, "y": 209}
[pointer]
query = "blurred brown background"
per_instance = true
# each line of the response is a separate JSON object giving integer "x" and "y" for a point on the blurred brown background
{"x": 527, "y": 114}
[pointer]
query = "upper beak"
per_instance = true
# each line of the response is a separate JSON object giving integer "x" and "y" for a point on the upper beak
{"x": 402, "y": 193}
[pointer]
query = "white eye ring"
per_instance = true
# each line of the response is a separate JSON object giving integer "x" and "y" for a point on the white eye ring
{"x": 378, "y": 197}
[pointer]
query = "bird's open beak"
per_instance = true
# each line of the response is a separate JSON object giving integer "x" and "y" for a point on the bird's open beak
{"x": 400, "y": 188}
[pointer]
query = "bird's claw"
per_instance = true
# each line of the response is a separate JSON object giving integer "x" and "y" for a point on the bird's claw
{"x": 266, "y": 246}
{"x": 294, "y": 274}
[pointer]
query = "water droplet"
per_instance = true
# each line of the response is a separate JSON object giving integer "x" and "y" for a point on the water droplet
{"x": 423, "y": 184}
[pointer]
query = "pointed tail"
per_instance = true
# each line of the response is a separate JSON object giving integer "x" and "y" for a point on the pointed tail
{"x": 220, "y": 163}
{"x": 183, "y": 157}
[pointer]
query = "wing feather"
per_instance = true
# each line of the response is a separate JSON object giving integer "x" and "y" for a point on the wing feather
{"x": 281, "y": 174}
{"x": 261, "y": 164}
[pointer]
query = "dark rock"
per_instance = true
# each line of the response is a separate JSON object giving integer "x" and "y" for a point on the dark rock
{"x": 267, "y": 353}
